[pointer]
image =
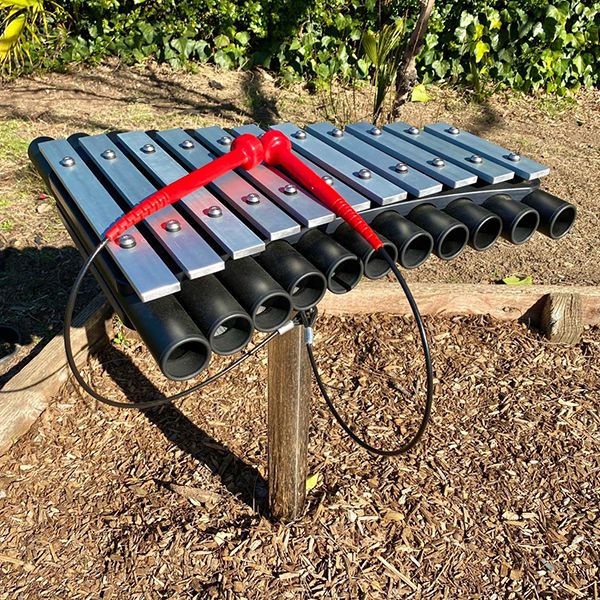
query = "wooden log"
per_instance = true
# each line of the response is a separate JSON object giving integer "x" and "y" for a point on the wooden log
{"x": 29, "y": 392}
{"x": 562, "y": 318}
{"x": 503, "y": 302}
{"x": 289, "y": 416}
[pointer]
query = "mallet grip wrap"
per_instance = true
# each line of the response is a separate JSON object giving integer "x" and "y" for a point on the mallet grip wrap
{"x": 246, "y": 151}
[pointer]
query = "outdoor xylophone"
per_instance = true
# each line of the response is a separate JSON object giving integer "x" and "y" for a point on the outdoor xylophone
{"x": 255, "y": 244}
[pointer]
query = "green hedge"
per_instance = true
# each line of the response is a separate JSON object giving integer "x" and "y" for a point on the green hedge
{"x": 524, "y": 45}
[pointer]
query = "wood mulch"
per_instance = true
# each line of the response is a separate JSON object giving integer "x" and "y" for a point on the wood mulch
{"x": 501, "y": 500}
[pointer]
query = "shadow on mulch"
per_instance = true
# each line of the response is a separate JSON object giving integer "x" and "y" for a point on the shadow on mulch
{"x": 34, "y": 284}
{"x": 238, "y": 477}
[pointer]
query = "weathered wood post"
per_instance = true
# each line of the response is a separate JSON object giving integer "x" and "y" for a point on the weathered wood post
{"x": 289, "y": 417}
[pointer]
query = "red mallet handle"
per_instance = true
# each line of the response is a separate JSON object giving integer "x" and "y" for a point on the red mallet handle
{"x": 278, "y": 152}
{"x": 246, "y": 151}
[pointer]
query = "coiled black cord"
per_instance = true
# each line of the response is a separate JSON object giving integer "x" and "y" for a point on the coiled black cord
{"x": 137, "y": 405}
{"x": 306, "y": 319}
{"x": 307, "y": 322}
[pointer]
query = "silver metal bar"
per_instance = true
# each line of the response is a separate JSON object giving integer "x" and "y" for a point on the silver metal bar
{"x": 524, "y": 167}
{"x": 351, "y": 196}
{"x": 486, "y": 170}
{"x": 416, "y": 183}
{"x": 147, "y": 274}
{"x": 187, "y": 248}
{"x": 300, "y": 205}
{"x": 244, "y": 198}
{"x": 374, "y": 186}
{"x": 448, "y": 173}
{"x": 236, "y": 239}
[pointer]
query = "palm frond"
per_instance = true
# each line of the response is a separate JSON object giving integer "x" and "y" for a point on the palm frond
{"x": 384, "y": 49}
{"x": 23, "y": 24}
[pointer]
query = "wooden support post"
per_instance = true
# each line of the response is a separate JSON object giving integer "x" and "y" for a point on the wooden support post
{"x": 289, "y": 416}
{"x": 562, "y": 318}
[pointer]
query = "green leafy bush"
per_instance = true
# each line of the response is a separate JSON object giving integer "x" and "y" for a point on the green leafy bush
{"x": 527, "y": 45}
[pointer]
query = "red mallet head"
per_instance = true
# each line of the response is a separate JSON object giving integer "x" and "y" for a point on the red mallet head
{"x": 251, "y": 148}
{"x": 276, "y": 146}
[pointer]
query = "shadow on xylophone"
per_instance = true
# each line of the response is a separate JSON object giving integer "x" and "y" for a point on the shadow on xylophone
{"x": 253, "y": 246}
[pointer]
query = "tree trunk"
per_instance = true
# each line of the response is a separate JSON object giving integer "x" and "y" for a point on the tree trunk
{"x": 407, "y": 74}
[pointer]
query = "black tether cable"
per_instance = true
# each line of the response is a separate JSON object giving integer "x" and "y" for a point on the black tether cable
{"x": 137, "y": 405}
{"x": 307, "y": 322}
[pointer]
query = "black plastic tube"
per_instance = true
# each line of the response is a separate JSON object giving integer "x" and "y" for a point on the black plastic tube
{"x": 449, "y": 235}
{"x": 519, "y": 221}
{"x": 217, "y": 313}
{"x": 413, "y": 244}
{"x": 556, "y": 215}
{"x": 299, "y": 278}
{"x": 484, "y": 226}
{"x": 374, "y": 265}
{"x": 267, "y": 303}
{"x": 342, "y": 269}
{"x": 173, "y": 339}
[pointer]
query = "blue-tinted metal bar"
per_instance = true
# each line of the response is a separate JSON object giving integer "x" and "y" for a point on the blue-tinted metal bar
{"x": 187, "y": 248}
{"x": 226, "y": 229}
{"x": 413, "y": 181}
{"x": 524, "y": 167}
{"x": 356, "y": 175}
{"x": 486, "y": 170}
{"x": 140, "y": 265}
{"x": 447, "y": 173}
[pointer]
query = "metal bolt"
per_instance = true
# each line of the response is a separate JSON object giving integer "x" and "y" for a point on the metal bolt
{"x": 187, "y": 144}
{"x": 172, "y": 225}
{"x": 375, "y": 131}
{"x": 328, "y": 179}
{"x": 290, "y": 189}
{"x": 413, "y": 130}
{"x": 67, "y": 161}
{"x": 225, "y": 141}
{"x": 148, "y": 148}
{"x": 337, "y": 132}
{"x": 514, "y": 157}
{"x": 109, "y": 154}
{"x": 214, "y": 212}
{"x": 364, "y": 174}
{"x": 252, "y": 198}
{"x": 401, "y": 168}
{"x": 127, "y": 241}
{"x": 300, "y": 135}
{"x": 476, "y": 159}
{"x": 438, "y": 162}
{"x": 453, "y": 130}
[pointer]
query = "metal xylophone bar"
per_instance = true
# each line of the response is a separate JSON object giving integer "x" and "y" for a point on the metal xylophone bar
{"x": 243, "y": 253}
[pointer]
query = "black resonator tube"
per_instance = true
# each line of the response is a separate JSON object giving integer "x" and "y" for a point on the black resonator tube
{"x": 484, "y": 226}
{"x": 173, "y": 339}
{"x": 413, "y": 244}
{"x": 556, "y": 215}
{"x": 374, "y": 265}
{"x": 449, "y": 235}
{"x": 219, "y": 315}
{"x": 519, "y": 221}
{"x": 299, "y": 278}
{"x": 342, "y": 269}
{"x": 269, "y": 305}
